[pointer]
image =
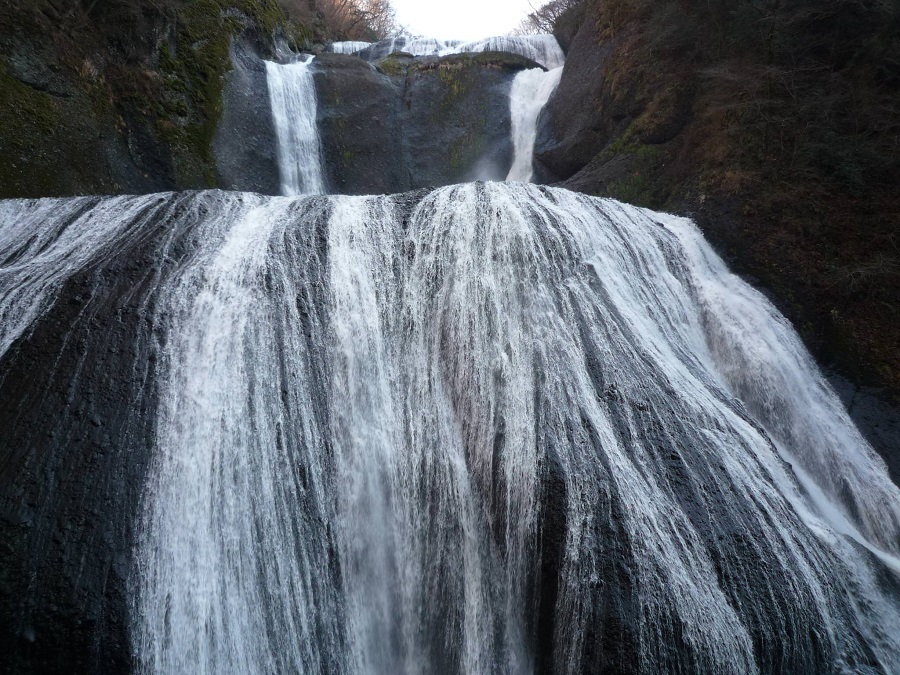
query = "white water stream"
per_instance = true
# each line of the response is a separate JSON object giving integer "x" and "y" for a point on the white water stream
{"x": 530, "y": 92}
{"x": 292, "y": 95}
{"x": 544, "y": 49}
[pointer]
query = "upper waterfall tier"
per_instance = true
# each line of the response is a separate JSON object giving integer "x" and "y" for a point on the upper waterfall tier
{"x": 292, "y": 94}
{"x": 484, "y": 428}
{"x": 529, "y": 94}
{"x": 544, "y": 49}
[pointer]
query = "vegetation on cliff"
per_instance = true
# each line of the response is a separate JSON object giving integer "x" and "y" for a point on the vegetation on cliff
{"x": 774, "y": 123}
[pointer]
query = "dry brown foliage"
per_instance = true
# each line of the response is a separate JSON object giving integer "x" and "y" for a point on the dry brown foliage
{"x": 347, "y": 19}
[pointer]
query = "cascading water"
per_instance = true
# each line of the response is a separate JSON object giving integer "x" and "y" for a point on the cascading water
{"x": 347, "y": 47}
{"x": 544, "y": 49}
{"x": 530, "y": 91}
{"x": 489, "y": 428}
{"x": 292, "y": 95}
{"x": 529, "y": 94}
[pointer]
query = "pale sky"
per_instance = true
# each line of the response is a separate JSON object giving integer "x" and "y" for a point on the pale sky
{"x": 461, "y": 19}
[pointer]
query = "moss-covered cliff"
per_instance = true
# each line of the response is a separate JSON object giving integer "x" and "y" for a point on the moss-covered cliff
{"x": 119, "y": 95}
{"x": 775, "y": 125}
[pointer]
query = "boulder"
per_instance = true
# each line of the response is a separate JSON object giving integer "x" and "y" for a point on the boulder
{"x": 571, "y": 132}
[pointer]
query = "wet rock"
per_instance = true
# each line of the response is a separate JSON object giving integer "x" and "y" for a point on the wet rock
{"x": 245, "y": 143}
{"x": 406, "y": 123}
{"x": 360, "y": 126}
{"x": 876, "y": 418}
{"x": 571, "y": 132}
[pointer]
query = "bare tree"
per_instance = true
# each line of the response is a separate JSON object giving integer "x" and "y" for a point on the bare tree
{"x": 379, "y": 17}
{"x": 349, "y": 19}
{"x": 542, "y": 19}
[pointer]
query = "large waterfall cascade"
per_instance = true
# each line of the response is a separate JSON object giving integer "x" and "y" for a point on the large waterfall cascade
{"x": 491, "y": 427}
{"x": 292, "y": 95}
{"x": 391, "y": 432}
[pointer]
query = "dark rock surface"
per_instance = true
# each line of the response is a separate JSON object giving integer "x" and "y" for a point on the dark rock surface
{"x": 76, "y": 395}
{"x": 876, "y": 418}
{"x": 126, "y": 97}
{"x": 245, "y": 144}
{"x": 457, "y": 119}
{"x": 578, "y": 122}
{"x": 567, "y": 26}
{"x": 408, "y": 123}
{"x": 360, "y": 125}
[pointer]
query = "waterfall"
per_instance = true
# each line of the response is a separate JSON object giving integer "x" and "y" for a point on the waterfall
{"x": 347, "y": 47}
{"x": 529, "y": 94}
{"x": 486, "y": 428}
{"x": 292, "y": 94}
{"x": 544, "y": 49}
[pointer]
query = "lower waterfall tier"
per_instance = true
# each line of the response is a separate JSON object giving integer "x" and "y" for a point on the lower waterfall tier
{"x": 485, "y": 428}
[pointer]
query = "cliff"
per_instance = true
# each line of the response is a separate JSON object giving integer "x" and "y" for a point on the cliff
{"x": 410, "y": 123}
{"x": 775, "y": 126}
{"x": 120, "y": 96}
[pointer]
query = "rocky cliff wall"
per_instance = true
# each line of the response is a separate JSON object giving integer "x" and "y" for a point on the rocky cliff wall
{"x": 124, "y": 97}
{"x": 76, "y": 395}
{"x": 776, "y": 134}
{"x": 408, "y": 123}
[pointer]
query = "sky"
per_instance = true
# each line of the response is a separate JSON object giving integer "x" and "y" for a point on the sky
{"x": 462, "y": 19}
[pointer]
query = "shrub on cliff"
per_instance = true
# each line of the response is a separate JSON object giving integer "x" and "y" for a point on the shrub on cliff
{"x": 545, "y": 17}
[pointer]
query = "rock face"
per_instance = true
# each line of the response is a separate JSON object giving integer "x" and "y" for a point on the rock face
{"x": 59, "y": 136}
{"x": 401, "y": 124}
{"x": 167, "y": 100}
{"x": 126, "y": 97}
{"x": 245, "y": 142}
{"x": 457, "y": 118}
{"x": 408, "y": 123}
{"x": 75, "y": 434}
{"x": 360, "y": 126}
{"x": 876, "y": 418}
{"x": 571, "y": 129}
{"x": 666, "y": 108}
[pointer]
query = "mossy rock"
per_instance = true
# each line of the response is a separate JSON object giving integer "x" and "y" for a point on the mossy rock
{"x": 141, "y": 90}
{"x": 53, "y": 146}
{"x": 395, "y": 65}
{"x": 28, "y": 121}
{"x": 190, "y": 105}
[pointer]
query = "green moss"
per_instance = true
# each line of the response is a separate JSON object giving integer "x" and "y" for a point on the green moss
{"x": 644, "y": 183}
{"x": 189, "y": 110}
{"x": 52, "y": 145}
{"x": 29, "y": 120}
{"x": 466, "y": 150}
{"x": 634, "y": 189}
{"x": 393, "y": 65}
{"x": 23, "y": 105}
{"x": 450, "y": 77}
